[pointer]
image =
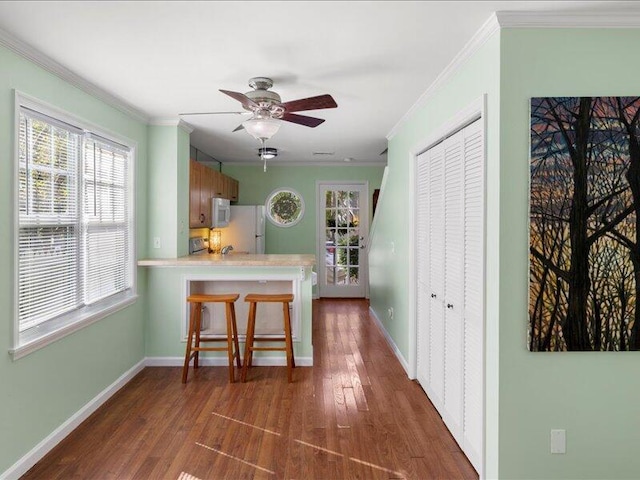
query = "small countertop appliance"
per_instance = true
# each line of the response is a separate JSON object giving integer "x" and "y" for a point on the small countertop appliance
{"x": 198, "y": 246}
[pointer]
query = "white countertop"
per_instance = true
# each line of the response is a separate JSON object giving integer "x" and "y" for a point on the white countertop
{"x": 233, "y": 260}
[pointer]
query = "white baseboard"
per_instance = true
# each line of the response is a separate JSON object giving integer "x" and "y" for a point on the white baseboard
{"x": 390, "y": 341}
{"x": 45, "y": 446}
{"x": 222, "y": 361}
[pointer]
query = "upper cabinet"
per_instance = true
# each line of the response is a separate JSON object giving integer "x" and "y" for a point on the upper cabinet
{"x": 206, "y": 189}
{"x": 218, "y": 184}
{"x": 196, "y": 215}
{"x": 233, "y": 189}
{"x": 204, "y": 183}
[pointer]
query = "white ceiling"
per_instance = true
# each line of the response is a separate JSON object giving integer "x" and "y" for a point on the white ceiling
{"x": 164, "y": 58}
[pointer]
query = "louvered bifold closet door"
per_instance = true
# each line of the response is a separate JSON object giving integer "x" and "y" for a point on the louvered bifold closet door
{"x": 473, "y": 292}
{"x": 452, "y": 413}
{"x": 422, "y": 267}
{"x": 435, "y": 386}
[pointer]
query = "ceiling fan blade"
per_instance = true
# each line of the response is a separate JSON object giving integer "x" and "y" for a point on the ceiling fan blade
{"x": 302, "y": 120}
{"x": 238, "y": 128}
{"x": 214, "y": 113}
{"x": 242, "y": 98}
{"x": 311, "y": 103}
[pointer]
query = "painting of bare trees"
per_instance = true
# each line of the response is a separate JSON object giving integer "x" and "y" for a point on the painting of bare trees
{"x": 584, "y": 240}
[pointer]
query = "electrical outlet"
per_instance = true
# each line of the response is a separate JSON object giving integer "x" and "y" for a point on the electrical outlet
{"x": 558, "y": 441}
{"x": 156, "y": 242}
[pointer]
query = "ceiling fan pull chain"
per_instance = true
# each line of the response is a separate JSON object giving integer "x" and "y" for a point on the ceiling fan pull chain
{"x": 264, "y": 159}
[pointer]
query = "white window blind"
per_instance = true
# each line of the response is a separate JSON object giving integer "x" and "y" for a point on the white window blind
{"x": 106, "y": 246}
{"x": 74, "y": 232}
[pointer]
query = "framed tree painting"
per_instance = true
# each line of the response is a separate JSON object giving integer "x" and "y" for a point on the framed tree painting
{"x": 584, "y": 237}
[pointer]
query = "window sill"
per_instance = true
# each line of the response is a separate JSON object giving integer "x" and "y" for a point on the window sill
{"x": 43, "y": 335}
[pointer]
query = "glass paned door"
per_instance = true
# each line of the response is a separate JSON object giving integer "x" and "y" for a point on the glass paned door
{"x": 343, "y": 213}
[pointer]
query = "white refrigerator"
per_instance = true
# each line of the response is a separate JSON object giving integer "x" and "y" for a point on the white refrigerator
{"x": 246, "y": 229}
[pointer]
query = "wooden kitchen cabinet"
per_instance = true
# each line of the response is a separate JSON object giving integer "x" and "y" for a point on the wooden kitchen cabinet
{"x": 218, "y": 184}
{"x": 196, "y": 218}
{"x": 225, "y": 186}
{"x": 204, "y": 183}
{"x": 234, "y": 189}
{"x": 206, "y": 192}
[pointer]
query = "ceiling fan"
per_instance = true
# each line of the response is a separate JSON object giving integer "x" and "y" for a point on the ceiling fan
{"x": 267, "y": 109}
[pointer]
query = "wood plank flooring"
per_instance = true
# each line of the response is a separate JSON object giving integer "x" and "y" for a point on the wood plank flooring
{"x": 354, "y": 415}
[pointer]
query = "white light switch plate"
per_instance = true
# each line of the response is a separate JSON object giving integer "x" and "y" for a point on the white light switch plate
{"x": 558, "y": 441}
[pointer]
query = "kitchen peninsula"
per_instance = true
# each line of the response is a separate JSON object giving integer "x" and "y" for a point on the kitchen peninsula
{"x": 176, "y": 278}
{"x": 232, "y": 259}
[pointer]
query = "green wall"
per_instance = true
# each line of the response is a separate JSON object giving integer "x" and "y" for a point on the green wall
{"x": 594, "y": 396}
{"x": 390, "y": 256}
{"x": 256, "y": 185}
{"x": 42, "y": 390}
{"x": 182, "y": 192}
{"x": 168, "y": 191}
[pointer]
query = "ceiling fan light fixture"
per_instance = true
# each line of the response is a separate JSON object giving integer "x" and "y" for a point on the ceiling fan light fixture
{"x": 267, "y": 153}
{"x": 262, "y": 128}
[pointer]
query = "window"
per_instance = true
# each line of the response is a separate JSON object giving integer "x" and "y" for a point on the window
{"x": 75, "y": 256}
{"x": 285, "y": 207}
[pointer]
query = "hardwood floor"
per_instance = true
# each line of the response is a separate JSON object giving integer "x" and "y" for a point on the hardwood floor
{"x": 354, "y": 415}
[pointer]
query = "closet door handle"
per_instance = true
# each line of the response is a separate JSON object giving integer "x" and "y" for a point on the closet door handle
{"x": 450, "y": 305}
{"x": 433, "y": 295}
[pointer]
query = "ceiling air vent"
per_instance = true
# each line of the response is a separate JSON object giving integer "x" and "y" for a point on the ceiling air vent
{"x": 323, "y": 154}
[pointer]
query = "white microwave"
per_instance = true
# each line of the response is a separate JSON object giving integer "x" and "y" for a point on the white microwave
{"x": 220, "y": 212}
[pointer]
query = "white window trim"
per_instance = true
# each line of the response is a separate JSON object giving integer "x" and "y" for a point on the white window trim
{"x": 49, "y": 332}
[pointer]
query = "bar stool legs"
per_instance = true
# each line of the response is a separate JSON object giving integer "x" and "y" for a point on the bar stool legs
{"x": 291, "y": 363}
{"x": 250, "y": 347}
{"x": 194, "y": 338}
{"x": 232, "y": 340}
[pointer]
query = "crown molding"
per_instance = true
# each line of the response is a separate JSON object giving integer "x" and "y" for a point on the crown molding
{"x": 511, "y": 19}
{"x": 171, "y": 122}
{"x": 30, "y": 53}
{"x": 520, "y": 19}
{"x": 486, "y": 31}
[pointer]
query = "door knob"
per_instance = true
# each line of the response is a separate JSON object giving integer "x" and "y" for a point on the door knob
{"x": 433, "y": 295}
{"x": 449, "y": 305}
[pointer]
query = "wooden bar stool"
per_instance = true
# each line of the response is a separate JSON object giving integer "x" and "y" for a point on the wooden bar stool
{"x": 194, "y": 340}
{"x": 254, "y": 299}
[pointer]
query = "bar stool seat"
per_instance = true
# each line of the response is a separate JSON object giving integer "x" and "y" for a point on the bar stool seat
{"x": 194, "y": 340}
{"x": 253, "y": 299}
